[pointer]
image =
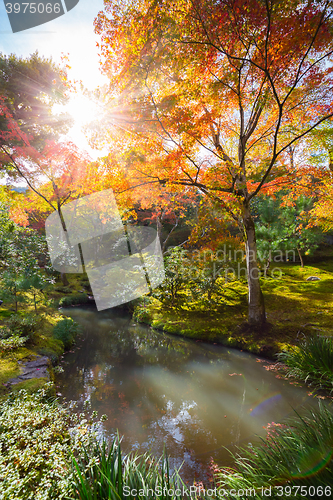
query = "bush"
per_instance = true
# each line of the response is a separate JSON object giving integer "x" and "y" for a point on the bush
{"x": 298, "y": 453}
{"x": 311, "y": 361}
{"x": 66, "y": 331}
{"x": 79, "y": 299}
{"x": 37, "y": 440}
{"x": 24, "y": 326}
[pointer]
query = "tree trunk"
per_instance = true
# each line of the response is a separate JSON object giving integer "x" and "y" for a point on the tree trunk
{"x": 64, "y": 279}
{"x": 159, "y": 228}
{"x": 256, "y": 311}
{"x": 300, "y": 257}
{"x": 63, "y": 276}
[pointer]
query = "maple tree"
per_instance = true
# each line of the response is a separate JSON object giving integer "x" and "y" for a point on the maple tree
{"x": 55, "y": 175}
{"x": 29, "y": 88}
{"x": 213, "y": 95}
{"x": 165, "y": 208}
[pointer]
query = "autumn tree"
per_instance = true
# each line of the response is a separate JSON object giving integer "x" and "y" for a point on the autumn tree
{"x": 322, "y": 212}
{"x": 55, "y": 175}
{"x": 211, "y": 95}
{"x": 165, "y": 208}
{"x": 29, "y": 88}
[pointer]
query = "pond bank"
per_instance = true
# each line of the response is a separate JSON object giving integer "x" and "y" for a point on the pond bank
{"x": 208, "y": 327}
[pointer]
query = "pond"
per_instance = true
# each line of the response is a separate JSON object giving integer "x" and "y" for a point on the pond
{"x": 197, "y": 398}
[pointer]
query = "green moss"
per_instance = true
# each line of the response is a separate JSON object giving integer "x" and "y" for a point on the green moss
{"x": 31, "y": 386}
{"x": 293, "y": 305}
{"x": 40, "y": 343}
{"x": 9, "y": 368}
{"x": 158, "y": 323}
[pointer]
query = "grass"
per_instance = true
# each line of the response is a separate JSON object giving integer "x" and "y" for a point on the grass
{"x": 297, "y": 453}
{"x": 311, "y": 361}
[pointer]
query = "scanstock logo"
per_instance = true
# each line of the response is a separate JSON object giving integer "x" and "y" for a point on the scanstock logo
{"x": 123, "y": 262}
{"x": 24, "y": 15}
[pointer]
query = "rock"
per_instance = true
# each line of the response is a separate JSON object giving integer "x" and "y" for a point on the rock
{"x": 37, "y": 368}
{"x": 313, "y": 278}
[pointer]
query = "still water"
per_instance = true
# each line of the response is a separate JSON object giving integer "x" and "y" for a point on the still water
{"x": 155, "y": 388}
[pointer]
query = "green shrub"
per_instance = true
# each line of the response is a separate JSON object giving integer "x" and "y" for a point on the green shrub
{"x": 298, "y": 453}
{"x": 110, "y": 475}
{"x": 66, "y": 331}
{"x": 81, "y": 298}
{"x": 311, "y": 361}
{"x": 24, "y": 326}
{"x": 5, "y": 332}
{"x": 37, "y": 439}
{"x": 141, "y": 314}
{"x": 12, "y": 342}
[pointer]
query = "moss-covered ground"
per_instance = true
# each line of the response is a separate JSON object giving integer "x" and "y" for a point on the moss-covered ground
{"x": 294, "y": 307}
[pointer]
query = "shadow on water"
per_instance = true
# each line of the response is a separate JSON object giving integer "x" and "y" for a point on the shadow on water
{"x": 196, "y": 398}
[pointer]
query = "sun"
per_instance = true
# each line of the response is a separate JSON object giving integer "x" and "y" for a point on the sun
{"x": 83, "y": 110}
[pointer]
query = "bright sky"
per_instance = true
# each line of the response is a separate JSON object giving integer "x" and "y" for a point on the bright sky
{"x": 73, "y": 34}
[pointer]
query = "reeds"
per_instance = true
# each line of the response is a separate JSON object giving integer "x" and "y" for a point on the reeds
{"x": 311, "y": 361}
{"x": 106, "y": 474}
{"x": 298, "y": 453}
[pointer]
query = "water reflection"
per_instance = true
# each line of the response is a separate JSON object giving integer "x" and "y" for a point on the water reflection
{"x": 155, "y": 388}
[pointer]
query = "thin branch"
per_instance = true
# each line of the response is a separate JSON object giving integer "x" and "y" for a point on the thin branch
{"x": 25, "y": 178}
